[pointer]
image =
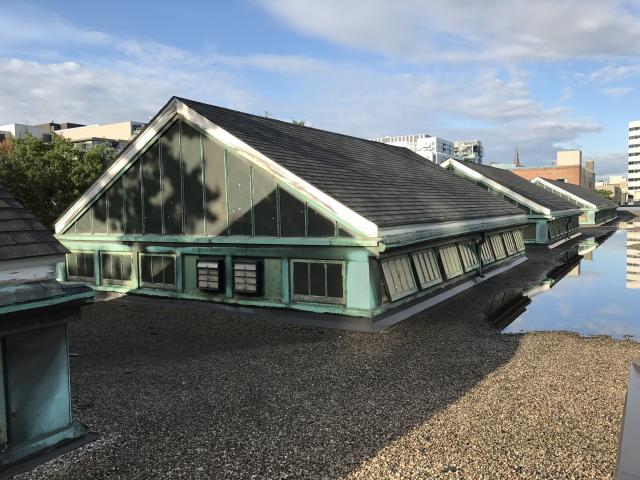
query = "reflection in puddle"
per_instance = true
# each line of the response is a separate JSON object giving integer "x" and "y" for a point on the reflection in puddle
{"x": 596, "y": 291}
{"x": 633, "y": 255}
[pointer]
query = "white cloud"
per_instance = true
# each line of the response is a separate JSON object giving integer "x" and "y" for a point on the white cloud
{"x": 611, "y": 164}
{"x": 611, "y": 72}
{"x": 69, "y": 91}
{"x": 469, "y": 30}
{"x": 119, "y": 78}
{"x": 617, "y": 91}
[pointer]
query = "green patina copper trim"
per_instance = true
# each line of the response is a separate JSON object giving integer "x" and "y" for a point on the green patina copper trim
{"x": 45, "y": 303}
{"x": 222, "y": 240}
{"x": 320, "y": 252}
{"x": 412, "y": 235}
{"x": 226, "y": 300}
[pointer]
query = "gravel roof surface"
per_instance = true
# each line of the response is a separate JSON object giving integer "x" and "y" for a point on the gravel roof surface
{"x": 186, "y": 394}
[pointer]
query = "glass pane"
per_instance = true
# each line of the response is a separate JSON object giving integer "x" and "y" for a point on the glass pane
{"x": 82, "y": 262}
{"x": 157, "y": 267}
{"x": 115, "y": 207}
{"x": 342, "y": 232}
{"x": 319, "y": 226}
{"x": 145, "y": 269}
{"x": 151, "y": 186}
{"x": 239, "y": 195}
{"x": 133, "y": 199}
{"x": 169, "y": 273}
{"x": 317, "y": 279}
{"x": 106, "y": 266}
{"x": 171, "y": 180}
{"x": 126, "y": 267}
{"x": 83, "y": 225}
{"x": 265, "y": 208}
{"x": 300, "y": 278}
{"x": 291, "y": 215}
{"x": 100, "y": 215}
{"x": 334, "y": 280}
{"x": 116, "y": 267}
{"x": 72, "y": 265}
{"x": 215, "y": 187}
{"x": 192, "y": 181}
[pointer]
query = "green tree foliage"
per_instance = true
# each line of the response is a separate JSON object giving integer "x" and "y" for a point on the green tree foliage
{"x": 298, "y": 122}
{"x": 605, "y": 193}
{"x": 48, "y": 177}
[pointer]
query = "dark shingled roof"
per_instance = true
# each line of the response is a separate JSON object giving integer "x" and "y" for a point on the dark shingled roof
{"x": 590, "y": 196}
{"x": 21, "y": 234}
{"x": 523, "y": 187}
{"x": 390, "y": 186}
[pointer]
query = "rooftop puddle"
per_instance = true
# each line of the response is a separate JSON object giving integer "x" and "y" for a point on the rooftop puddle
{"x": 596, "y": 291}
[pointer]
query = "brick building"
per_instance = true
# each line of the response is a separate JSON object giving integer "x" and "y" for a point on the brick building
{"x": 568, "y": 168}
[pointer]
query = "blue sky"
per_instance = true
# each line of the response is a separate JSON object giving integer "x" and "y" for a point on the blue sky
{"x": 543, "y": 75}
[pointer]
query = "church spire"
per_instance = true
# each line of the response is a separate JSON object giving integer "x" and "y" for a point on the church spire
{"x": 516, "y": 158}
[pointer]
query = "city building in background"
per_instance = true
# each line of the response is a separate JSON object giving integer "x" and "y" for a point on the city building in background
{"x": 618, "y": 187}
{"x": 435, "y": 149}
{"x": 469, "y": 151}
{"x": 568, "y": 167}
{"x": 115, "y": 135}
{"x": 596, "y": 209}
{"x": 634, "y": 161}
{"x": 12, "y": 131}
{"x": 550, "y": 219}
{"x": 54, "y": 126}
{"x": 614, "y": 190}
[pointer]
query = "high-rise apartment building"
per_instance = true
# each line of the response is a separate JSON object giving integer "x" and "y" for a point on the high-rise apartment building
{"x": 469, "y": 151}
{"x": 634, "y": 161}
{"x": 437, "y": 149}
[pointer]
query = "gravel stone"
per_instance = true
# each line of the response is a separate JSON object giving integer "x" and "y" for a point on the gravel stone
{"x": 189, "y": 394}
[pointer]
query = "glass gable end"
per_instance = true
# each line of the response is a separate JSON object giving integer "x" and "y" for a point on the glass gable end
{"x": 185, "y": 183}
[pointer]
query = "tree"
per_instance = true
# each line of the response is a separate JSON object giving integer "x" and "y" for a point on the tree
{"x": 298, "y": 122}
{"x": 605, "y": 193}
{"x": 47, "y": 177}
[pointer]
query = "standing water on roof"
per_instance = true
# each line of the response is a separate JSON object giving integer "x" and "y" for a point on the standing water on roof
{"x": 600, "y": 295}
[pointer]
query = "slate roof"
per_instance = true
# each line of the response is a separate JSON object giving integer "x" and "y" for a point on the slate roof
{"x": 21, "y": 234}
{"x": 523, "y": 187}
{"x": 590, "y": 196}
{"x": 390, "y": 186}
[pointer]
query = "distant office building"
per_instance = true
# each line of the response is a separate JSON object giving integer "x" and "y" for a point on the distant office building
{"x": 614, "y": 190}
{"x": 617, "y": 185}
{"x": 12, "y": 131}
{"x": 568, "y": 168}
{"x": 634, "y": 161}
{"x": 54, "y": 126}
{"x": 436, "y": 149}
{"x": 116, "y": 135}
{"x": 469, "y": 151}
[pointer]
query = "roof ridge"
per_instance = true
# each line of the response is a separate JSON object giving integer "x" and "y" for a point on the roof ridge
{"x": 290, "y": 124}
